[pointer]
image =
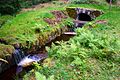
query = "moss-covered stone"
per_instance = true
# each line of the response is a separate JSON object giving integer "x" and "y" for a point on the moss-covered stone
{"x": 6, "y": 50}
{"x": 30, "y": 29}
{"x": 74, "y": 12}
{"x": 71, "y": 12}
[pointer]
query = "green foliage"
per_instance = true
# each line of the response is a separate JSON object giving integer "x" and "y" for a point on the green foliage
{"x": 42, "y": 77}
{"x": 39, "y": 76}
{"x": 68, "y": 22}
{"x": 45, "y": 15}
{"x": 88, "y": 44}
{"x": 103, "y": 45}
{"x": 36, "y": 75}
{"x": 29, "y": 3}
{"x": 4, "y": 19}
{"x": 12, "y": 6}
{"x": 33, "y": 29}
{"x": 92, "y": 54}
{"x": 9, "y": 7}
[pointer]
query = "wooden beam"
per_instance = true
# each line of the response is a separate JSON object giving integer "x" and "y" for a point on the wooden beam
{"x": 70, "y": 33}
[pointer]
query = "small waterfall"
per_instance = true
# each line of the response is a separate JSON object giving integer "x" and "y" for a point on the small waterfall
{"x": 18, "y": 55}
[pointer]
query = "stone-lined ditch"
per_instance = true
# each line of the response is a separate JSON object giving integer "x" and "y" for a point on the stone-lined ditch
{"x": 80, "y": 16}
{"x": 10, "y": 73}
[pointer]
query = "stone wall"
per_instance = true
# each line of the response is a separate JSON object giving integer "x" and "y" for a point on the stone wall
{"x": 73, "y": 12}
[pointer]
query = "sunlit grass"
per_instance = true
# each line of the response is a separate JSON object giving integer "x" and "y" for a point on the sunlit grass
{"x": 94, "y": 54}
{"x": 91, "y": 55}
{"x": 23, "y": 24}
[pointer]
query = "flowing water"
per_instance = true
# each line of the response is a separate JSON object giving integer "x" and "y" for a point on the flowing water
{"x": 18, "y": 55}
{"x": 10, "y": 73}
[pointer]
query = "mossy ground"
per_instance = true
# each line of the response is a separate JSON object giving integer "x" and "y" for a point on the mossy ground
{"x": 29, "y": 28}
{"x": 93, "y": 54}
{"x": 6, "y": 50}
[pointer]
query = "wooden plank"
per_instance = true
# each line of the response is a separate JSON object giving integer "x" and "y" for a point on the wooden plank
{"x": 70, "y": 33}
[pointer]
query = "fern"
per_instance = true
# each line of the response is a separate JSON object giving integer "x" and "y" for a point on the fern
{"x": 39, "y": 76}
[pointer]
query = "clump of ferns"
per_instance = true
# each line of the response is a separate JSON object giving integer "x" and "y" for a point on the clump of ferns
{"x": 39, "y": 28}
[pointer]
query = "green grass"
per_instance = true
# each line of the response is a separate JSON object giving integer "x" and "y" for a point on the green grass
{"x": 29, "y": 28}
{"x": 22, "y": 28}
{"x": 93, "y": 54}
{"x": 4, "y": 19}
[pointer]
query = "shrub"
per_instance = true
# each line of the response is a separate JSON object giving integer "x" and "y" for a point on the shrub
{"x": 9, "y": 6}
{"x": 12, "y": 6}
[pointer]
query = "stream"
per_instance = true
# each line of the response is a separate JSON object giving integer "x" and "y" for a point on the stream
{"x": 10, "y": 73}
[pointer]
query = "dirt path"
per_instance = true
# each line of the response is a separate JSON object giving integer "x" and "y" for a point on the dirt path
{"x": 43, "y": 5}
{"x": 118, "y": 3}
{"x": 38, "y": 6}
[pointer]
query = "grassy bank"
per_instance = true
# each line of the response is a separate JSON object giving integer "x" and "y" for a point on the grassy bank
{"x": 93, "y": 54}
{"x": 35, "y": 27}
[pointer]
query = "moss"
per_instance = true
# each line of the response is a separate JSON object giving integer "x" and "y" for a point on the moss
{"x": 6, "y": 50}
{"x": 27, "y": 28}
{"x": 4, "y": 19}
{"x": 71, "y": 12}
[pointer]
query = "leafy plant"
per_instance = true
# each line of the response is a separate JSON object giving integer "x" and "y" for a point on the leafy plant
{"x": 39, "y": 76}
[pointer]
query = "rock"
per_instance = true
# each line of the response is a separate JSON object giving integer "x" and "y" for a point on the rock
{"x": 101, "y": 22}
{"x": 17, "y": 45}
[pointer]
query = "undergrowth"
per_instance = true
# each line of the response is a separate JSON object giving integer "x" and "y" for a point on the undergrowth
{"x": 93, "y": 54}
{"x": 87, "y": 56}
{"x": 29, "y": 26}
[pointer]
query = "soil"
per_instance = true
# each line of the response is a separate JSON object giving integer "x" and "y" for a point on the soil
{"x": 36, "y": 7}
{"x": 59, "y": 15}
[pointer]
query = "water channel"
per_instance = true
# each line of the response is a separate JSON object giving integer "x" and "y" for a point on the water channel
{"x": 10, "y": 73}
